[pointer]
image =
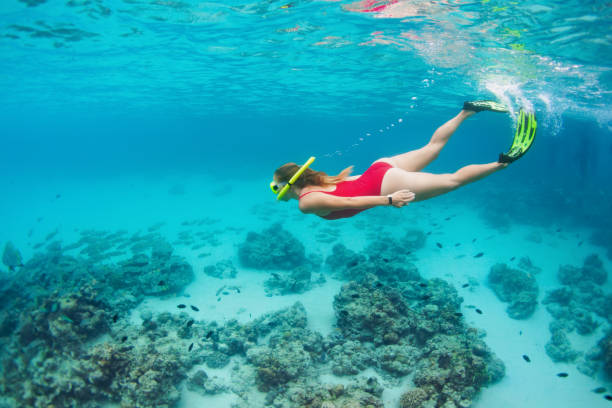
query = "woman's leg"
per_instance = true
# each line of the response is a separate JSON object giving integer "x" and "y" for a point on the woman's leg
{"x": 427, "y": 185}
{"x": 416, "y": 160}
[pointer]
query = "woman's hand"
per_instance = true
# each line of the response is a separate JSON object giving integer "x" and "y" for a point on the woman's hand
{"x": 401, "y": 198}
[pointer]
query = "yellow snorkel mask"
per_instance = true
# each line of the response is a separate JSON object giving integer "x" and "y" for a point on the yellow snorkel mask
{"x": 281, "y": 189}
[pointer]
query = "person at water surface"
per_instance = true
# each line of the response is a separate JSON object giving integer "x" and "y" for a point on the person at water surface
{"x": 396, "y": 180}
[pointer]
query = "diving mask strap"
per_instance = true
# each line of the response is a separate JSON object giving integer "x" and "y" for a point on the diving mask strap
{"x": 295, "y": 177}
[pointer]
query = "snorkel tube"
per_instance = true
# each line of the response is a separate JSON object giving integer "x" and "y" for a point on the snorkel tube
{"x": 294, "y": 178}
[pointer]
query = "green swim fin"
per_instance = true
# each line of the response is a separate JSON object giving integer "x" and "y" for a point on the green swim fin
{"x": 523, "y": 138}
{"x": 478, "y": 106}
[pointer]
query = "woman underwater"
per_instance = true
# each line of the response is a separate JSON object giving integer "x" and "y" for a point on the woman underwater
{"x": 396, "y": 180}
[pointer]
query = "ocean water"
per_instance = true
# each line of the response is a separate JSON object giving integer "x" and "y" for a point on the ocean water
{"x": 145, "y": 262}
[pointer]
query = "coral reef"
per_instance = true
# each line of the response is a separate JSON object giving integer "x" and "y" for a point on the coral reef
{"x": 517, "y": 287}
{"x": 592, "y": 270}
{"x": 296, "y": 280}
{"x": 274, "y": 248}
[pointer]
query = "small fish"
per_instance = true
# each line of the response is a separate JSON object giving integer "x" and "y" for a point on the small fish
{"x": 429, "y": 233}
{"x": 115, "y": 318}
{"x": 58, "y": 195}
{"x": 66, "y": 319}
{"x": 558, "y": 230}
{"x": 439, "y": 245}
{"x": 344, "y": 313}
{"x": 181, "y": 306}
{"x": 209, "y": 334}
{"x": 458, "y": 314}
{"x": 190, "y": 323}
{"x": 599, "y": 390}
{"x": 379, "y": 284}
{"x": 354, "y": 295}
{"x": 520, "y": 332}
{"x": 423, "y": 285}
{"x": 478, "y": 311}
{"x": 386, "y": 259}
{"x": 478, "y": 255}
{"x": 513, "y": 258}
{"x": 426, "y": 297}
{"x": 195, "y": 309}
{"x": 580, "y": 243}
{"x": 457, "y": 244}
{"x": 526, "y": 358}
{"x": 562, "y": 375}
{"x": 474, "y": 240}
{"x": 447, "y": 218}
{"x": 237, "y": 290}
{"x": 218, "y": 299}
{"x": 608, "y": 397}
{"x": 465, "y": 285}
{"x": 161, "y": 283}
{"x": 435, "y": 224}
{"x": 123, "y": 339}
{"x": 276, "y": 275}
{"x": 190, "y": 347}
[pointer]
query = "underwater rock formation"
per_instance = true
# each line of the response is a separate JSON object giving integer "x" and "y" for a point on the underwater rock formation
{"x": 592, "y": 270}
{"x": 517, "y": 287}
{"x": 388, "y": 259}
{"x": 11, "y": 257}
{"x": 274, "y": 248}
{"x": 221, "y": 270}
{"x": 297, "y": 280}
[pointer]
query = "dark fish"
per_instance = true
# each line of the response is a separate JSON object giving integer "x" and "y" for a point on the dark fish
{"x": 520, "y": 332}
{"x": 354, "y": 295}
{"x": 190, "y": 323}
{"x": 608, "y": 397}
{"x": 513, "y": 258}
{"x": 435, "y": 224}
{"x": 218, "y": 299}
{"x": 181, "y": 306}
{"x": 209, "y": 334}
{"x": 447, "y": 218}
{"x": 580, "y": 243}
{"x": 429, "y": 233}
{"x": 474, "y": 240}
{"x": 439, "y": 245}
{"x": 276, "y": 275}
{"x": 526, "y": 358}
{"x": 115, "y": 318}
{"x": 457, "y": 244}
{"x": 562, "y": 375}
{"x": 190, "y": 347}
{"x": 195, "y": 309}
{"x": 458, "y": 314}
{"x": 423, "y": 285}
{"x": 599, "y": 390}
{"x": 161, "y": 283}
{"x": 385, "y": 259}
{"x": 465, "y": 285}
{"x": 478, "y": 255}
{"x": 123, "y": 339}
{"x": 237, "y": 290}
{"x": 58, "y": 195}
{"x": 344, "y": 313}
{"x": 426, "y": 297}
{"x": 379, "y": 284}
{"x": 478, "y": 311}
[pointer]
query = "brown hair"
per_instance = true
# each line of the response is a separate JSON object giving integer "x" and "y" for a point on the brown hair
{"x": 310, "y": 177}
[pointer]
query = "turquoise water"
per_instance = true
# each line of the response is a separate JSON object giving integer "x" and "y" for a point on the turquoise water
{"x": 134, "y": 125}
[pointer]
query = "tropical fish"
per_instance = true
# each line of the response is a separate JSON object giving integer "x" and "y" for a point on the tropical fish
{"x": 161, "y": 283}
{"x": 465, "y": 285}
{"x": 608, "y": 397}
{"x": 115, "y": 318}
{"x": 209, "y": 334}
{"x": 190, "y": 346}
{"x": 458, "y": 314}
{"x": 190, "y": 323}
{"x": 181, "y": 306}
{"x": 526, "y": 358}
{"x": 513, "y": 258}
{"x": 562, "y": 375}
{"x": 478, "y": 255}
{"x": 599, "y": 390}
{"x": 439, "y": 245}
{"x": 123, "y": 339}
{"x": 423, "y": 285}
{"x": 478, "y": 311}
{"x": 195, "y": 309}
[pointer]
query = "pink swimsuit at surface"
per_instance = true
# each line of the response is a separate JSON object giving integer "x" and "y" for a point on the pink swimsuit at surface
{"x": 368, "y": 184}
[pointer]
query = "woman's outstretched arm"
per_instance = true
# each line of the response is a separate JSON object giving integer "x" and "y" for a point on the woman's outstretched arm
{"x": 325, "y": 202}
